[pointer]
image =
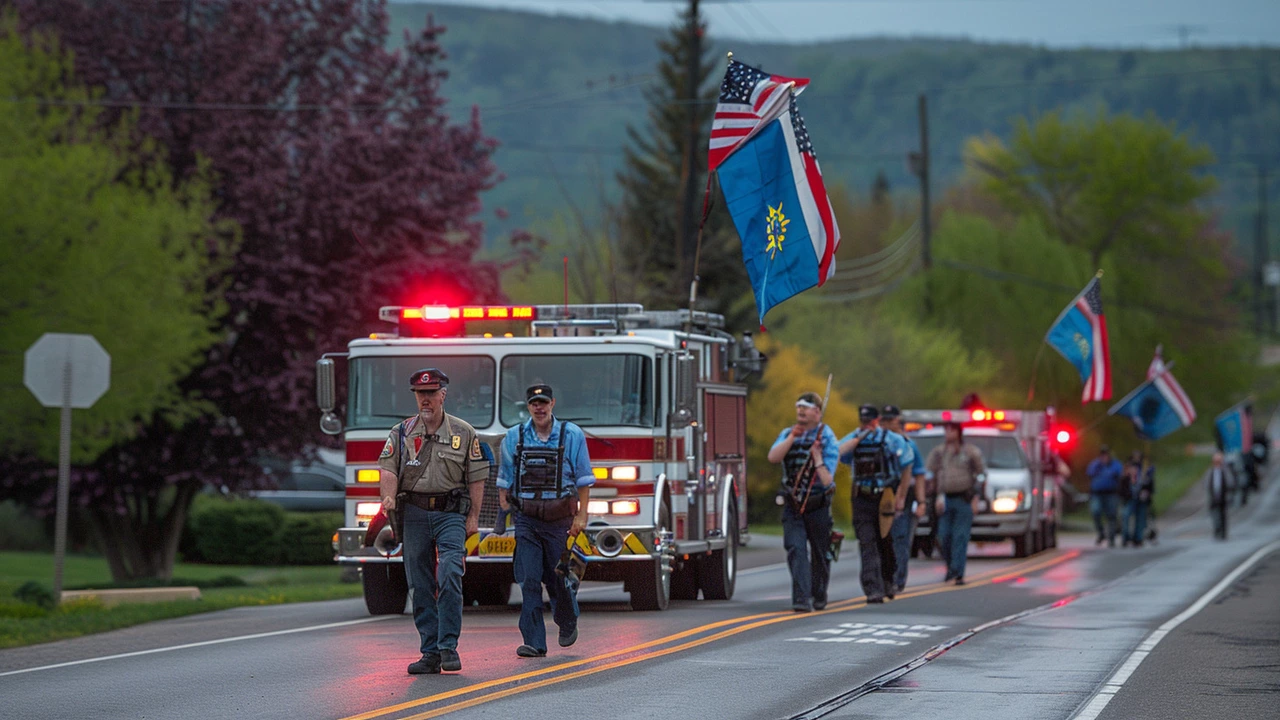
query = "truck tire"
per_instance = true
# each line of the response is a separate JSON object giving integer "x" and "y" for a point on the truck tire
{"x": 386, "y": 590}
{"x": 719, "y": 572}
{"x": 649, "y": 583}
{"x": 684, "y": 581}
{"x": 1025, "y": 544}
{"x": 485, "y": 591}
{"x": 650, "y": 586}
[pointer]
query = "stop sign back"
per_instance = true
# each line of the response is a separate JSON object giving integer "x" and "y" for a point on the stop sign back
{"x": 47, "y": 363}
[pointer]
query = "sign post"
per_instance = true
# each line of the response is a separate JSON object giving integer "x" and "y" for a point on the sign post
{"x": 65, "y": 371}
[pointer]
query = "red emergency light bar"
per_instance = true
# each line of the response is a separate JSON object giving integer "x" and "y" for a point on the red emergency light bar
{"x": 467, "y": 312}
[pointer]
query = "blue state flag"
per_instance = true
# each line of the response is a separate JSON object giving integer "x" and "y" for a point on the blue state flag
{"x": 1234, "y": 428}
{"x": 1153, "y": 412}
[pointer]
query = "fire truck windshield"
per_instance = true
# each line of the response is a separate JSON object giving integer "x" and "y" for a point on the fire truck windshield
{"x": 590, "y": 390}
{"x": 380, "y": 395}
{"x": 999, "y": 452}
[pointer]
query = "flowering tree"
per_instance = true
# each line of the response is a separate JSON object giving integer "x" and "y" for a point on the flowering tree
{"x": 351, "y": 188}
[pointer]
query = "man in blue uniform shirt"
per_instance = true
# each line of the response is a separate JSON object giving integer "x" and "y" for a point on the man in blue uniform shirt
{"x": 807, "y": 453}
{"x": 1104, "y": 485}
{"x": 546, "y": 477}
{"x": 903, "y": 530}
{"x": 875, "y": 457}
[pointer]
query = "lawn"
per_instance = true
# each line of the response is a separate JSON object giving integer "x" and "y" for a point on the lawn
{"x": 223, "y": 586}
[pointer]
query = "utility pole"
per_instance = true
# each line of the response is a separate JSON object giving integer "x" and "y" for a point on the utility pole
{"x": 688, "y": 226}
{"x": 1262, "y": 307}
{"x": 919, "y": 164}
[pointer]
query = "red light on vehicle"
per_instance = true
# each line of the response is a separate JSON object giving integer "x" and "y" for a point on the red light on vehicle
{"x": 1063, "y": 437}
{"x": 946, "y": 416}
{"x": 978, "y": 415}
{"x": 497, "y": 313}
{"x": 436, "y": 312}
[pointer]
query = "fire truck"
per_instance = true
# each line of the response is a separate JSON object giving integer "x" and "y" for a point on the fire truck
{"x": 659, "y": 394}
{"x": 1023, "y": 497}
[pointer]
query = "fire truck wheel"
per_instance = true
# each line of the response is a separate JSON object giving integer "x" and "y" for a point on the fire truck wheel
{"x": 650, "y": 586}
{"x": 718, "y": 573}
{"x": 1051, "y": 535}
{"x": 385, "y": 588}
{"x": 684, "y": 582}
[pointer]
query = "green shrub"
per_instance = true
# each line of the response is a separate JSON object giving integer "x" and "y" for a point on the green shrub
{"x": 22, "y": 530}
{"x": 21, "y": 611}
{"x": 308, "y": 538}
{"x": 33, "y": 593}
{"x": 238, "y": 531}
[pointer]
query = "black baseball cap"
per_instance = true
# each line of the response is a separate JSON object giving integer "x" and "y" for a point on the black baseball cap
{"x": 889, "y": 412}
{"x": 538, "y": 392}
{"x": 868, "y": 412}
{"x": 428, "y": 379}
{"x": 1104, "y": 449}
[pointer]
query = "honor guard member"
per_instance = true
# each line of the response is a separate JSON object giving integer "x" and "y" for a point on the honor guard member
{"x": 433, "y": 469}
{"x": 546, "y": 478}
{"x": 903, "y": 530}
{"x": 960, "y": 472}
{"x": 807, "y": 452}
{"x": 874, "y": 456}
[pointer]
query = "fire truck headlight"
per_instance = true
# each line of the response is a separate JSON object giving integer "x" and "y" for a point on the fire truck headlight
{"x": 625, "y": 507}
{"x": 625, "y": 472}
{"x": 598, "y": 507}
{"x": 367, "y": 476}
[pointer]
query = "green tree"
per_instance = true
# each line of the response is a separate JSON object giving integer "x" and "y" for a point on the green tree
{"x": 95, "y": 238}
{"x": 651, "y": 217}
{"x": 1100, "y": 182}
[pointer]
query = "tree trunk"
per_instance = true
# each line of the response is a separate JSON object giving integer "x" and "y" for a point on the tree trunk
{"x": 142, "y": 543}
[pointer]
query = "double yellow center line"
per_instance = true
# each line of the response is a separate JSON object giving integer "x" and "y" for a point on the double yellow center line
{"x": 653, "y": 649}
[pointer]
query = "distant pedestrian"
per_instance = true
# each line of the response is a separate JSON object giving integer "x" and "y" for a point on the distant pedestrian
{"x": 960, "y": 473}
{"x": 1105, "y": 473}
{"x": 1140, "y": 487}
{"x": 1219, "y": 482}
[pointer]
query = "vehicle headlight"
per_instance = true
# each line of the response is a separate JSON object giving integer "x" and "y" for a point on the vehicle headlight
{"x": 1007, "y": 501}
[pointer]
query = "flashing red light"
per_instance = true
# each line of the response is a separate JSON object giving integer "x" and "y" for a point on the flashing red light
{"x": 440, "y": 313}
{"x": 979, "y": 415}
{"x": 1063, "y": 437}
{"x": 946, "y": 416}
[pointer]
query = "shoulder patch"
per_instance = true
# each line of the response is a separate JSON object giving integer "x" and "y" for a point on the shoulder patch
{"x": 386, "y": 450}
{"x": 475, "y": 449}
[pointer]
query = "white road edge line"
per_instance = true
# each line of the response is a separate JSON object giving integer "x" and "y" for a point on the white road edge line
{"x": 1117, "y": 680}
{"x": 199, "y": 644}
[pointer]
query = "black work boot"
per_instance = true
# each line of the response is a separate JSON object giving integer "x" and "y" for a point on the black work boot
{"x": 450, "y": 661}
{"x": 568, "y": 638}
{"x": 428, "y": 665}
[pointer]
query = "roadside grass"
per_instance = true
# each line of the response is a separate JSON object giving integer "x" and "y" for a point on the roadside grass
{"x": 222, "y": 587}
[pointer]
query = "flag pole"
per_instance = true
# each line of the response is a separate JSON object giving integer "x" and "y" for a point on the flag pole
{"x": 1035, "y": 366}
{"x": 697, "y": 251}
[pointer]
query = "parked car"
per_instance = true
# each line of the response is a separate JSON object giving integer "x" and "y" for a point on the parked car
{"x": 306, "y": 487}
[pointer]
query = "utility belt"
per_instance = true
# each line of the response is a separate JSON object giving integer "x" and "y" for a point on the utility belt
{"x": 546, "y": 510}
{"x": 966, "y": 496}
{"x": 819, "y": 498}
{"x": 454, "y": 501}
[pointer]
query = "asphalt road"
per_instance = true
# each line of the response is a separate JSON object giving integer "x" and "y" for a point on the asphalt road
{"x": 1051, "y": 636}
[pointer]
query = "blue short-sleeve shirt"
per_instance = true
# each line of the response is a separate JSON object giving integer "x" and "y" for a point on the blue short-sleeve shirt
{"x": 577, "y": 463}
{"x": 830, "y": 447}
{"x": 894, "y": 443}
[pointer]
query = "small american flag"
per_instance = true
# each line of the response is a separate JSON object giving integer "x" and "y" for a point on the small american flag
{"x": 1159, "y": 372}
{"x": 749, "y": 99}
{"x": 1089, "y": 303}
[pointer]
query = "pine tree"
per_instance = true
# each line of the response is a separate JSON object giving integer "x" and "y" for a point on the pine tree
{"x": 653, "y": 245}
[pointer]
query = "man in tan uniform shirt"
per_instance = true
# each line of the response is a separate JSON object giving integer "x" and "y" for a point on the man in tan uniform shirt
{"x": 433, "y": 472}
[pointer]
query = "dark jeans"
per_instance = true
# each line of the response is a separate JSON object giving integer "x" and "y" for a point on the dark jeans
{"x": 954, "y": 526}
{"x": 1135, "y": 521}
{"x": 1218, "y": 513}
{"x": 1105, "y": 506}
{"x": 878, "y": 564}
{"x": 807, "y": 538}
{"x": 434, "y": 557}
{"x": 903, "y": 533}
{"x": 539, "y": 545}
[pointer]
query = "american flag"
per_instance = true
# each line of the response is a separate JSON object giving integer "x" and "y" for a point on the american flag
{"x": 1159, "y": 373}
{"x": 1089, "y": 303}
{"x": 749, "y": 99}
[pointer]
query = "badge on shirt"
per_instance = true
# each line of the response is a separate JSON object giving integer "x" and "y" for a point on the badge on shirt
{"x": 417, "y": 445}
{"x": 386, "y": 450}
{"x": 456, "y": 442}
{"x": 475, "y": 449}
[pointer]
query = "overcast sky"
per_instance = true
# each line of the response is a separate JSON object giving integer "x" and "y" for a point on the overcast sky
{"x": 1058, "y": 23}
